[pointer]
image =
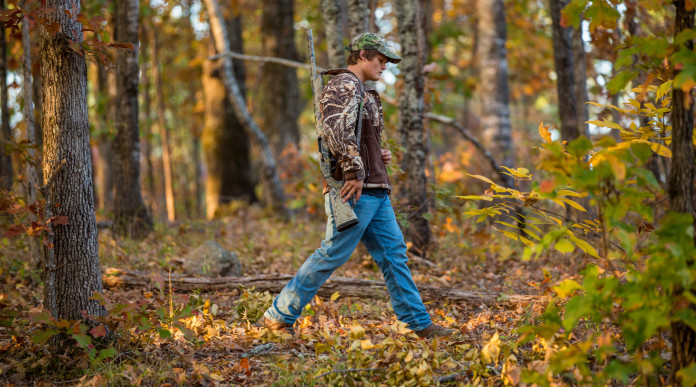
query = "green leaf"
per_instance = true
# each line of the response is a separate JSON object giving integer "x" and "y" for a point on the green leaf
{"x": 663, "y": 89}
{"x": 83, "y": 341}
{"x": 620, "y": 80}
{"x": 688, "y": 375}
{"x": 107, "y": 353}
{"x": 42, "y": 336}
{"x": 564, "y": 246}
{"x": 586, "y": 247}
{"x": 164, "y": 333}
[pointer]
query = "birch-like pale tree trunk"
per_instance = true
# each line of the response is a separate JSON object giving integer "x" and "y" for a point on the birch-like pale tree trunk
{"x": 411, "y": 131}
{"x": 226, "y": 146}
{"x": 280, "y": 94}
{"x": 680, "y": 187}
{"x": 333, "y": 27}
{"x": 5, "y": 130}
{"x": 358, "y": 17}
{"x": 131, "y": 217}
{"x": 565, "y": 75}
{"x": 494, "y": 90}
{"x": 71, "y": 261}
{"x": 272, "y": 186}
{"x": 162, "y": 126}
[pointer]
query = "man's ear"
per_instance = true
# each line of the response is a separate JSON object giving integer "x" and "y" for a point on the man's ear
{"x": 362, "y": 54}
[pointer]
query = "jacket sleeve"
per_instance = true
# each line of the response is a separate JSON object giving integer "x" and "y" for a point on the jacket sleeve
{"x": 340, "y": 101}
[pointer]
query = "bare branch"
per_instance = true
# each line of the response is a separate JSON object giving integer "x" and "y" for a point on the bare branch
{"x": 269, "y": 59}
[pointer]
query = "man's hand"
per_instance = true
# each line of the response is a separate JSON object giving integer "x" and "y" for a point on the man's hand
{"x": 350, "y": 188}
{"x": 386, "y": 156}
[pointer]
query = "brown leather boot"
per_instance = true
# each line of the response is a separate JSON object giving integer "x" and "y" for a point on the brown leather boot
{"x": 435, "y": 331}
{"x": 275, "y": 326}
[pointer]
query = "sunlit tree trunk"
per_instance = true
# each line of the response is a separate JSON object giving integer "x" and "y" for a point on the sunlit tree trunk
{"x": 565, "y": 75}
{"x": 226, "y": 146}
{"x": 358, "y": 17}
{"x": 411, "y": 131}
{"x": 331, "y": 13}
{"x": 72, "y": 273}
{"x": 162, "y": 126}
{"x": 146, "y": 121}
{"x": 680, "y": 186}
{"x": 494, "y": 90}
{"x": 5, "y": 130}
{"x": 131, "y": 217}
{"x": 272, "y": 185}
{"x": 280, "y": 94}
{"x": 105, "y": 92}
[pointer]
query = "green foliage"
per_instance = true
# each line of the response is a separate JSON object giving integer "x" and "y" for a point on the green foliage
{"x": 252, "y": 305}
{"x": 640, "y": 283}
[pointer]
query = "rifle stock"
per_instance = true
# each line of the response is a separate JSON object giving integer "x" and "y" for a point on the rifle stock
{"x": 342, "y": 212}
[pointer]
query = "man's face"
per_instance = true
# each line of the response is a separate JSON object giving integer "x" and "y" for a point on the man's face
{"x": 372, "y": 69}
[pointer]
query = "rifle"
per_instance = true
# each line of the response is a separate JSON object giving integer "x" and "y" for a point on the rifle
{"x": 343, "y": 213}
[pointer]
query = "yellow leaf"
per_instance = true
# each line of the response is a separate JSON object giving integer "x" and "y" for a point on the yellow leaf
{"x": 544, "y": 132}
{"x": 475, "y": 197}
{"x": 335, "y": 296}
{"x": 663, "y": 89}
{"x": 565, "y": 192}
{"x": 586, "y": 247}
{"x": 408, "y": 357}
{"x": 574, "y": 204}
{"x": 605, "y": 124}
{"x": 217, "y": 377}
{"x": 508, "y": 234}
{"x": 660, "y": 149}
{"x": 487, "y": 180}
{"x": 526, "y": 241}
{"x": 491, "y": 350}
{"x": 357, "y": 331}
{"x": 366, "y": 344}
{"x": 566, "y": 288}
{"x": 564, "y": 246}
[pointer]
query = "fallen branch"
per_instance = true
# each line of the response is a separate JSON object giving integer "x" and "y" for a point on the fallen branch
{"x": 274, "y": 283}
{"x": 264, "y": 59}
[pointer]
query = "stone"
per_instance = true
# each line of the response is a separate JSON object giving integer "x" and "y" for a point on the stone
{"x": 212, "y": 260}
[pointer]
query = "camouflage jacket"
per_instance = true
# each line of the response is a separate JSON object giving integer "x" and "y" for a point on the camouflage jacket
{"x": 339, "y": 110}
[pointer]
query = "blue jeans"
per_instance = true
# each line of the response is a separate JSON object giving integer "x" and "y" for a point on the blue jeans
{"x": 380, "y": 233}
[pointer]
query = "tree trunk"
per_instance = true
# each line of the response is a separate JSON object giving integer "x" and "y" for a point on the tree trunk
{"x": 72, "y": 273}
{"x": 5, "y": 130}
{"x": 331, "y": 12}
{"x": 358, "y": 17}
{"x": 31, "y": 180}
{"x": 280, "y": 94}
{"x": 272, "y": 185}
{"x": 494, "y": 90}
{"x": 226, "y": 146}
{"x": 162, "y": 126}
{"x": 105, "y": 92}
{"x": 348, "y": 287}
{"x": 411, "y": 131}
{"x": 580, "y": 74}
{"x": 131, "y": 217}
{"x": 147, "y": 123}
{"x": 565, "y": 76}
{"x": 680, "y": 186}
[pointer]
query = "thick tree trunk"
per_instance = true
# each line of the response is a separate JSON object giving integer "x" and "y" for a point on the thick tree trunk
{"x": 580, "y": 74}
{"x": 5, "y": 130}
{"x": 494, "y": 90}
{"x": 226, "y": 146}
{"x": 272, "y": 185}
{"x": 280, "y": 95}
{"x": 331, "y": 12}
{"x": 411, "y": 131}
{"x": 72, "y": 273}
{"x": 565, "y": 76}
{"x": 31, "y": 180}
{"x": 680, "y": 186}
{"x": 358, "y": 17}
{"x": 131, "y": 217}
{"x": 348, "y": 287}
{"x": 152, "y": 193}
{"x": 105, "y": 91}
{"x": 162, "y": 127}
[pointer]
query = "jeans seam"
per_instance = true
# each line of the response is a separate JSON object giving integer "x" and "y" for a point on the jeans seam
{"x": 368, "y": 229}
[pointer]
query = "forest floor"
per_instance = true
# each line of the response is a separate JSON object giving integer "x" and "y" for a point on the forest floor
{"x": 168, "y": 338}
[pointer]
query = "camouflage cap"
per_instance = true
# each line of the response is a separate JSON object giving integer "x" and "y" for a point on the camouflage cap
{"x": 372, "y": 41}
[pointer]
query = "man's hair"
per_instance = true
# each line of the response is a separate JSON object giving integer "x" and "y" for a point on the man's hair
{"x": 355, "y": 56}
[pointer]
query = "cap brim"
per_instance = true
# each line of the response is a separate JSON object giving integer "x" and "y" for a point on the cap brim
{"x": 391, "y": 57}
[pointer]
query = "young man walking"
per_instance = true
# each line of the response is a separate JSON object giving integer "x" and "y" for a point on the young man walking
{"x": 366, "y": 182}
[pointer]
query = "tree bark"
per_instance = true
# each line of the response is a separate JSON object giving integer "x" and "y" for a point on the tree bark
{"x": 72, "y": 273}
{"x": 411, "y": 131}
{"x": 358, "y": 17}
{"x": 131, "y": 217}
{"x": 272, "y": 185}
{"x": 5, "y": 130}
{"x": 565, "y": 76}
{"x": 494, "y": 90}
{"x": 162, "y": 126}
{"x": 331, "y": 12}
{"x": 680, "y": 186}
{"x": 226, "y": 146}
{"x": 580, "y": 74}
{"x": 348, "y": 287}
{"x": 280, "y": 94}
{"x": 147, "y": 122}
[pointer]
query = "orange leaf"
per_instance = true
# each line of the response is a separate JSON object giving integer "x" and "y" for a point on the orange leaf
{"x": 546, "y": 186}
{"x": 544, "y": 132}
{"x": 98, "y": 331}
